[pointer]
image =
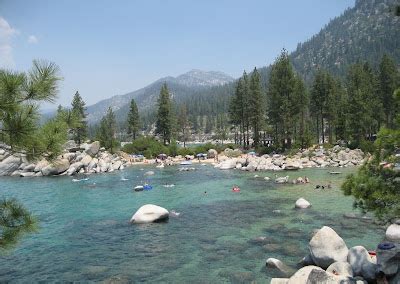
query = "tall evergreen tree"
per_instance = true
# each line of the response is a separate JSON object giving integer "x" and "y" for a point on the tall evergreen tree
{"x": 236, "y": 110}
{"x": 388, "y": 82}
{"x": 184, "y": 124}
{"x": 282, "y": 103}
{"x": 78, "y": 108}
{"x": 246, "y": 109}
{"x": 133, "y": 120}
{"x": 256, "y": 106}
{"x": 363, "y": 104}
{"x": 303, "y": 132}
{"x": 164, "y": 124}
{"x": 107, "y": 130}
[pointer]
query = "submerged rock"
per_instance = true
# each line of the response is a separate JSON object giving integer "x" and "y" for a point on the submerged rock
{"x": 279, "y": 265}
{"x": 150, "y": 213}
{"x": 327, "y": 247}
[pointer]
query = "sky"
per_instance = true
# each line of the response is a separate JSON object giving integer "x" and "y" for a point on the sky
{"x": 107, "y": 48}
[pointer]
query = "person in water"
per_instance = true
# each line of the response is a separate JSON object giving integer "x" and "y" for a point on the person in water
{"x": 306, "y": 180}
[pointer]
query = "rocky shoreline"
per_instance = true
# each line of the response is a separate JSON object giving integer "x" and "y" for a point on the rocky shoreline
{"x": 330, "y": 261}
{"x": 87, "y": 158}
{"x": 90, "y": 158}
{"x": 309, "y": 158}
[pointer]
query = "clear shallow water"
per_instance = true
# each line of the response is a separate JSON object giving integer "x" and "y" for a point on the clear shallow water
{"x": 85, "y": 236}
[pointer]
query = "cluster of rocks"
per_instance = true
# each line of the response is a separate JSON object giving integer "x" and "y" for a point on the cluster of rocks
{"x": 331, "y": 261}
{"x": 85, "y": 158}
{"x": 310, "y": 158}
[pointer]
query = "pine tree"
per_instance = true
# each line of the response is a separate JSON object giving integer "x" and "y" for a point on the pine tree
{"x": 388, "y": 82}
{"x": 246, "y": 109}
{"x": 363, "y": 104}
{"x": 303, "y": 133}
{"x": 78, "y": 108}
{"x": 164, "y": 124}
{"x": 236, "y": 110}
{"x": 107, "y": 130}
{"x": 183, "y": 124}
{"x": 282, "y": 103}
{"x": 133, "y": 120}
{"x": 256, "y": 106}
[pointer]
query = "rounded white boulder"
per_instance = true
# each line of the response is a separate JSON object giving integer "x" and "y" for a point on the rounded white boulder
{"x": 301, "y": 203}
{"x": 327, "y": 247}
{"x": 150, "y": 213}
{"x": 393, "y": 232}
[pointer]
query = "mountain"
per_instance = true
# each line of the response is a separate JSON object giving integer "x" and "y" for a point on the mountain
{"x": 362, "y": 33}
{"x": 180, "y": 86}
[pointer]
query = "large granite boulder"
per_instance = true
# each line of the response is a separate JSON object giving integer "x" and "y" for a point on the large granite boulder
{"x": 393, "y": 233}
{"x": 301, "y": 203}
{"x": 86, "y": 160}
{"x": 55, "y": 168}
{"x": 302, "y": 274}
{"x": 362, "y": 263}
{"x": 327, "y": 247}
{"x": 93, "y": 148}
{"x": 150, "y": 213}
{"x": 73, "y": 168}
{"x": 228, "y": 164}
{"x": 9, "y": 165}
{"x": 40, "y": 165}
{"x": 317, "y": 276}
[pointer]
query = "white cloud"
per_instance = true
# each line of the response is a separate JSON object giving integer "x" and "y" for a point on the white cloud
{"x": 6, "y": 50}
{"x": 33, "y": 39}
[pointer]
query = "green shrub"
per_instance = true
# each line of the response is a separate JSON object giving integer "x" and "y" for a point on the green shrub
{"x": 146, "y": 146}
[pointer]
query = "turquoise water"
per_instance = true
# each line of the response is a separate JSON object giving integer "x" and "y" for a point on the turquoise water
{"x": 85, "y": 235}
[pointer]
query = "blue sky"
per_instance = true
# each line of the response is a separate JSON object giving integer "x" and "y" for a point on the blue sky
{"x": 107, "y": 48}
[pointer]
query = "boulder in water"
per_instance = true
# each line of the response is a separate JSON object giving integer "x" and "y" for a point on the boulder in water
{"x": 327, "y": 247}
{"x": 393, "y": 233}
{"x": 301, "y": 203}
{"x": 150, "y": 213}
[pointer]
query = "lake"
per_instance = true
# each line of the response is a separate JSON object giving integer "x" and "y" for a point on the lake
{"x": 85, "y": 233}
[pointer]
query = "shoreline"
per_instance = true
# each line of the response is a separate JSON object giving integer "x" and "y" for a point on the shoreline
{"x": 91, "y": 159}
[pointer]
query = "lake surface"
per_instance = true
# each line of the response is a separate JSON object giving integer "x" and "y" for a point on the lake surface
{"x": 85, "y": 235}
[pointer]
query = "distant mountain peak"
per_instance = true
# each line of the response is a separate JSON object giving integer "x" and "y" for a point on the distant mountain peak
{"x": 197, "y": 77}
